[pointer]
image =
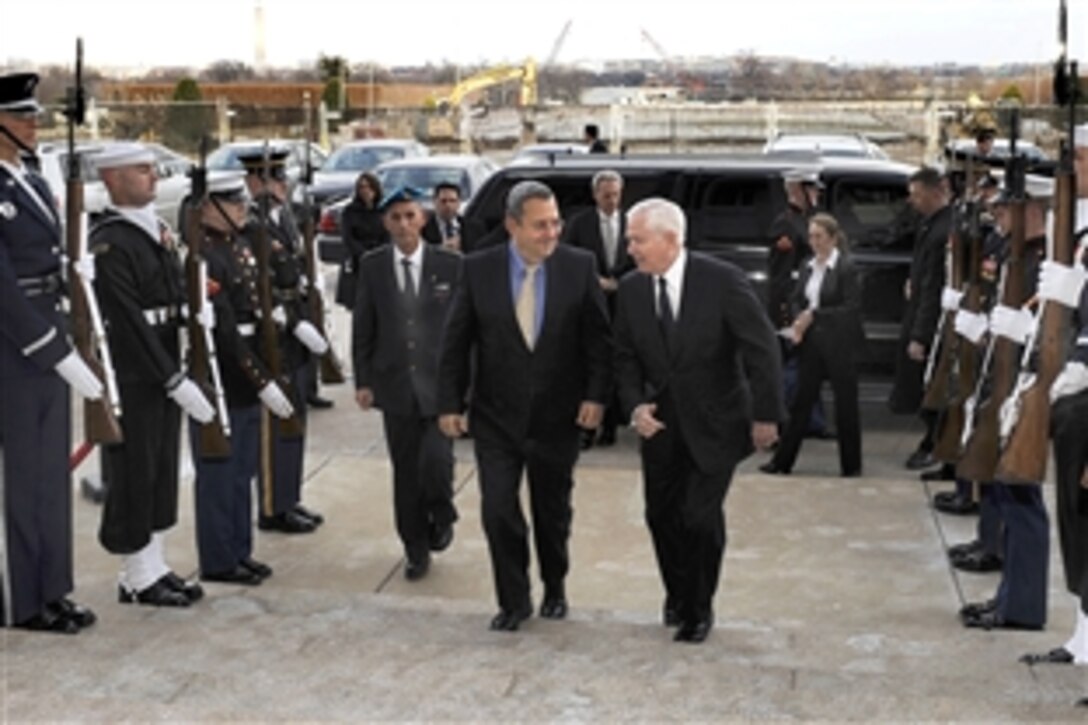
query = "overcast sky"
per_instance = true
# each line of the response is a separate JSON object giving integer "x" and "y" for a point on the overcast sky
{"x": 145, "y": 33}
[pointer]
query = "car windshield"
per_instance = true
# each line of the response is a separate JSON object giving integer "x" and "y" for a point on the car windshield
{"x": 425, "y": 178}
{"x": 361, "y": 158}
{"x": 225, "y": 158}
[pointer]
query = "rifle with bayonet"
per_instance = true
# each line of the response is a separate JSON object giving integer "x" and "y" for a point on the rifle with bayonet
{"x": 332, "y": 370}
{"x": 203, "y": 364}
{"x": 982, "y": 447}
{"x": 100, "y": 417}
{"x": 269, "y": 337}
{"x": 1024, "y": 456}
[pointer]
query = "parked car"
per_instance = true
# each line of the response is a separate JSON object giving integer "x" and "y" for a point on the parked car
{"x": 825, "y": 144}
{"x": 335, "y": 179}
{"x": 172, "y": 168}
{"x": 730, "y": 202}
{"x": 469, "y": 172}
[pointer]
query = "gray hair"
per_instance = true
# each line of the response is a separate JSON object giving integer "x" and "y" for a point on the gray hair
{"x": 661, "y": 215}
{"x": 604, "y": 176}
{"x": 522, "y": 192}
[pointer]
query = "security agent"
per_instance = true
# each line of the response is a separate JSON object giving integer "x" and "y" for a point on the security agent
{"x": 266, "y": 180}
{"x": 140, "y": 288}
{"x": 224, "y": 488}
{"x": 37, "y": 366}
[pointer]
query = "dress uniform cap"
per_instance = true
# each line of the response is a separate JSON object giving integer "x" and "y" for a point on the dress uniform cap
{"x": 253, "y": 160}
{"x": 17, "y": 93}
{"x": 229, "y": 186}
{"x": 122, "y": 154}
{"x": 803, "y": 176}
{"x": 400, "y": 193}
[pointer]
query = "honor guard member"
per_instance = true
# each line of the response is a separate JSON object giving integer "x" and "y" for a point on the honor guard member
{"x": 404, "y": 296}
{"x": 224, "y": 487}
{"x": 1020, "y": 600}
{"x": 1069, "y": 421}
{"x": 37, "y": 366}
{"x": 281, "y": 491}
{"x": 139, "y": 284}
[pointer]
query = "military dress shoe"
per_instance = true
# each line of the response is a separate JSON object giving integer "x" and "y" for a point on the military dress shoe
{"x": 319, "y": 403}
{"x": 945, "y": 472}
{"x": 968, "y": 547}
{"x": 1056, "y": 656}
{"x": 159, "y": 594}
{"x": 991, "y": 619}
{"x": 919, "y": 460}
{"x": 506, "y": 621}
{"x": 695, "y": 631}
{"x": 257, "y": 567}
{"x": 65, "y": 607}
{"x": 192, "y": 590}
{"x": 977, "y": 562}
{"x": 440, "y": 536}
{"x": 306, "y": 513}
{"x": 288, "y": 522}
{"x": 976, "y": 608}
{"x": 238, "y": 575}
{"x": 954, "y": 505}
{"x": 47, "y": 621}
{"x": 415, "y": 568}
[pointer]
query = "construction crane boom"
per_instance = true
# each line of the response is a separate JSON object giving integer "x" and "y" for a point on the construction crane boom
{"x": 558, "y": 44}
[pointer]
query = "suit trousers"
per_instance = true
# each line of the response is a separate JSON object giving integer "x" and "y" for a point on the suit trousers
{"x": 284, "y": 491}
{"x": 686, "y": 520}
{"x": 1070, "y": 433}
{"x": 35, "y": 495}
{"x": 549, "y": 469}
{"x": 422, "y": 478}
{"x": 143, "y": 494}
{"x": 1021, "y": 596}
{"x": 223, "y": 493}
{"x": 816, "y": 367}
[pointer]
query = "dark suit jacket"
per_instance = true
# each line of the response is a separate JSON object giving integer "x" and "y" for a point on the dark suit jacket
{"x": 471, "y": 232}
{"x": 725, "y": 371}
{"x": 836, "y": 323}
{"x": 927, "y": 277}
{"x": 584, "y": 231}
{"x": 400, "y": 364}
{"x": 520, "y": 394}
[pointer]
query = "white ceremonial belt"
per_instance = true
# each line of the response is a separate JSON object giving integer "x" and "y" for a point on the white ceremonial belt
{"x": 247, "y": 329}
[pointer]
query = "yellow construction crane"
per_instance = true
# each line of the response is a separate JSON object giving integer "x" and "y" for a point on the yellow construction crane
{"x": 492, "y": 77}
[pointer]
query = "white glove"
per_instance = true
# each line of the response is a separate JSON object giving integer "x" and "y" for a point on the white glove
{"x": 79, "y": 376}
{"x": 274, "y": 399}
{"x": 950, "y": 299}
{"x": 1012, "y": 323}
{"x": 189, "y": 398}
{"x": 971, "y": 325}
{"x": 1061, "y": 284}
{"x": 207, "y": 316}
{"x": 1071, "y": 380}
{"x": 84, "y": 267}
{"x": 279, "y": 315}
{"x": 308, "y": 335}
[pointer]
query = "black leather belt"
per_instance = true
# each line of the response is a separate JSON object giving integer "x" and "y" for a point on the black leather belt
{"x": 50, "y": 284}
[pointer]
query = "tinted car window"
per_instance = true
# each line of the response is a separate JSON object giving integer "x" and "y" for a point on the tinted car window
{"x": 872, "y": 214}
{"x": 426, "y": 178}
{"x": 731, "y": 209}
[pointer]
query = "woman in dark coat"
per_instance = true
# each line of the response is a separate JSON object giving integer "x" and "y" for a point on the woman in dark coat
{"x": 361, "y": 230}
{"x": 828, "y": 332}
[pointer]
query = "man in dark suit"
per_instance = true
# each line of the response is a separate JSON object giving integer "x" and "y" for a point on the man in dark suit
{"x": 399, "y": 313}
{"x": 592, "y": 135}
{"x": 533, "y": 311}
{"x": 698, "y": 372}
{"x": 600, "y": 230}
{"x": 446, "y": 226}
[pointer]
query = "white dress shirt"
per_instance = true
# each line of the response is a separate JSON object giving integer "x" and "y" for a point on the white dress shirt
{"x": 816, "y": 280}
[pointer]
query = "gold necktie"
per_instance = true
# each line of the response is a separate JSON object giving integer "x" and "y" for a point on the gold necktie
{"x": 525, "y": 309}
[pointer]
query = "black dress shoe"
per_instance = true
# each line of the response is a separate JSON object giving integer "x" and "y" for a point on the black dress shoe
{"x": 553, "y": 608}
{"x": 773, "y": 469}
{"x": 956, "y": 506}
{"x": 509, "y": 621}
{"x": 978, "y": 562}
{"x": 320, "y": 403}
{"x": 946, "y": 472}
{"x": 694, "y": 631}
{"x": 237, "y": 575}
{"x": 47, "y": 621}
{"x": 306, "y": 513}
{"x": 975, "y": 608}
{"x": 417, "y": 568}
{"x": 288, "y": 522}
{"x": 671, "y": 616}
{"x": 65, "y": 607}
{"x": 919, "y": 460}
{"x": 257, "y": 567}
{"x": 159, "y": 594}
{"x": 192, "y": 590}
{"x": 1056, "y": 656}
{"x": 92, "y": 489}
{"x": 990, "y": 619}
{"x": 968, "y": 547}
{"x": 440, "y": 536}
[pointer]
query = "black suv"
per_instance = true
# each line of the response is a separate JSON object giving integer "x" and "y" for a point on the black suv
{"x": 730, "y": 202}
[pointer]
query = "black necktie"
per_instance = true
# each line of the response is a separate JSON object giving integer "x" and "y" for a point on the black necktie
{"x": 665, "y": 318}
{"x": 409, "y": 283}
